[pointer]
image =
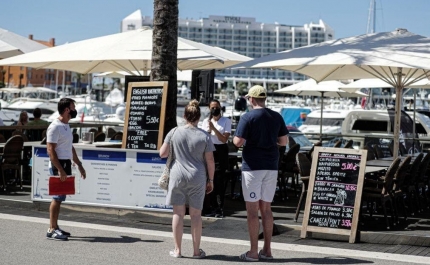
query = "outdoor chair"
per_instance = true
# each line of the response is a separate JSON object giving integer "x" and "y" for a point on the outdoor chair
{"x": 378, "y": 151}
{"x": 110, "y": 132}
{"x": 304, "y": 167}
{"x": 409, "y": 184}
{"x": 75, "y": 138}
{"x": 398, "y": 193}
{"x": 10, "y": 159}
{"x": 370, "y": 153}
{"x": 95, "y": 131}
{"x": 337, "y": 144}
{"x": 117, "y": 136}
{"x": 421, "y": 182}
{"x": 233, "y": 172}
{"x": 100, "y": 137}
{"x": 311, "y": 151}
{"x": 348, "y": 144}
{"x": 288, "y": 169}
{"x": 291, "y": 141}
{"x": 379, "y": 191}
{"x": 402, "y": 149}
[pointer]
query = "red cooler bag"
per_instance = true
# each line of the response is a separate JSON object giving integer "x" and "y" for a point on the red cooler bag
{"x": 58, "y": 187}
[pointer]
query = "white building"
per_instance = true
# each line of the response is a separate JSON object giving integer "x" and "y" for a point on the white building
{"x": 245, "y": 36}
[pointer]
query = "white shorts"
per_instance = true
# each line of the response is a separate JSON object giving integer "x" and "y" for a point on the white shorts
{"x": 259, "y": 185}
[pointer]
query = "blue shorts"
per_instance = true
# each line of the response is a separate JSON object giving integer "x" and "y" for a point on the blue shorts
{"x": 67, "y": 166}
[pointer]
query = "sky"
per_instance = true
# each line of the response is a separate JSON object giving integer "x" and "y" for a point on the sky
{"x": 70, "y": 21}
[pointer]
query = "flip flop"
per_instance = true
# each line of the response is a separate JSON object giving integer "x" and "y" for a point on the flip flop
{"x": 263, "y": 256}
{"x": 173, "y": 253}
{"x": 246, "y": 258}
{"x": 201, "y": 256}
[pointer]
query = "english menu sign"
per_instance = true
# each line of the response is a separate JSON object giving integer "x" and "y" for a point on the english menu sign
{"x": 334, "y": 193}
{"x": 145, "y": 113}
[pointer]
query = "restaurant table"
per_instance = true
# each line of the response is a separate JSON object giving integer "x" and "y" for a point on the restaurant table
{"x": 101, "y": 144}
{"x": 373, "y": 169}
{"x": 379, "y": 163}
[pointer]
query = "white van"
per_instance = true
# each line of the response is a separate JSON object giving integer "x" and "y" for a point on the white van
{"x": 359, "y": 124}
{"x": 331, "y": 123}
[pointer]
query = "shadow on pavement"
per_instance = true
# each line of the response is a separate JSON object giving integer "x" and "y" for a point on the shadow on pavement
{"x": 123, "y": 239}
{"x": 325, "y": 260}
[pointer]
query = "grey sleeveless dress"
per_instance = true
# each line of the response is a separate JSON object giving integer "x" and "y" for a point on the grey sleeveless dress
{"x": 188, "y": 177}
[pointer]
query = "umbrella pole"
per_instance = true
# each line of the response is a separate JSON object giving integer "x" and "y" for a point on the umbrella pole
{"x": 321, "y": 121}
{"x": 397, "y": 112}
{"x": 413, "y": 128}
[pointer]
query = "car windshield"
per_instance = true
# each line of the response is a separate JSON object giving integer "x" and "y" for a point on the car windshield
{"x": 326, "y": 121}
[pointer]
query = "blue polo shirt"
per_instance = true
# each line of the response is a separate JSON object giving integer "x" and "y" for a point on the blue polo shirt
{"x": 261, "y": 129}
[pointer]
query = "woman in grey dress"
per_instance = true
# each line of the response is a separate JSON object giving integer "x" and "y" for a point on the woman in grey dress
{"x": 191, "y": 176}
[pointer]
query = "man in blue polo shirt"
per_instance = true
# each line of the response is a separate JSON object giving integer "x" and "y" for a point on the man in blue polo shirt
{"x": 261, "y": 132}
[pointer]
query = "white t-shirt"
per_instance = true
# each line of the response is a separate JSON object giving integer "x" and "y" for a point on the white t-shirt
{"x": 223, "y": 125}
{"x": 61, "y": 134}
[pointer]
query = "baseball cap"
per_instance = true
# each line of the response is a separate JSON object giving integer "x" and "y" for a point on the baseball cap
{"x": 257, "y": 92}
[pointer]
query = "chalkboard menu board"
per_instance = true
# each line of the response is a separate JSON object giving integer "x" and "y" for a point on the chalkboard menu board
{"x": 334, "y": 192}
{"x": 145, "y": 113}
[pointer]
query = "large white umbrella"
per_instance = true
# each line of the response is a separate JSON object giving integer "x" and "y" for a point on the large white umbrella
{"x": 322, "y": 89}
{"x": 400, "y": 58}
{"x": 184, "y": 76}
{"x": 12, "y": 44}
{"x": 128, "y": 51}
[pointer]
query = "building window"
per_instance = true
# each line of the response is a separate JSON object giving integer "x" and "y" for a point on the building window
{"x": 131, "y": 27}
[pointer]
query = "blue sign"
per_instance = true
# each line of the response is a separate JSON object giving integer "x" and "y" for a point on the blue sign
{"x": 41, "y": 152}
{"x": 104, "y": 155}
{"x": 150, "y": 158}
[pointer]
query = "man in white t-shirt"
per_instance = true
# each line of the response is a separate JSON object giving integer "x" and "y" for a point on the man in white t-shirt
{"x": 59, "y": 139}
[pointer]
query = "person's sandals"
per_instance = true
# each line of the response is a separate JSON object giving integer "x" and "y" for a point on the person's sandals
{"x": 201, "y": 256}
{"x": 246, "y": 258}
{"x": 263, "y": 256}
{"x": 173, "y": 253}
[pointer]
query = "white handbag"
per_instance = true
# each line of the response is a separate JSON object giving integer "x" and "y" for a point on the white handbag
{"x": 163, "y": 181}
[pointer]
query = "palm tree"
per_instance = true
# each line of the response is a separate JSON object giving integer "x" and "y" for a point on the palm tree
{"x": 164, "y": 54}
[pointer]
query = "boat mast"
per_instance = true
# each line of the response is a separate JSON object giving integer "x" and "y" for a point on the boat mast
{"x": 371, "y": 18}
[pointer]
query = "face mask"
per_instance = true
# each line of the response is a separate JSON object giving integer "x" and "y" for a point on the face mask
{"x": 215, "y": 112}
{"x": 73, "y": 113}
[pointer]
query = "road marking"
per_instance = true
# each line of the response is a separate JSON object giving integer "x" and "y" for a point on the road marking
{"x": 278, "y": 246}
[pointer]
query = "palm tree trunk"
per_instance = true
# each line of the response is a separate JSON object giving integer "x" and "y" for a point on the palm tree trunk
{"x": 164, "y": 54}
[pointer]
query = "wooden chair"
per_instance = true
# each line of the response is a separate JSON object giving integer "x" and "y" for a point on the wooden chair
{"x": 100, "y": 137}
{"x": 291, "y": 141}
{"x": 233, "y": 172}
{"x": 380, "y": 190}
{"x": 75, "y": 138}
{"x": 11, "y": 158}
{"x": 348, "y": 144}
{"x": 288, "y": 169}
{"x": 304, "y": 166}
{"x": 421, "y": 181}
{"x": 110, "y": 132}
{"x": 94, "y": 130}
{"x": 402, "y": 149}
{"x": 398, "y": 193}
{"x": 117, "y": 136}
{"x": 378, "y": 151}
{"x": 412, "y": 198}
{"x": 311, "y": 151}
{"x": 370, "y": 153}
{"x": 337, "y": 144}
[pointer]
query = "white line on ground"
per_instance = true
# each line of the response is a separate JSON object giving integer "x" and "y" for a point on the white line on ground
{"x": 278, "y": 246}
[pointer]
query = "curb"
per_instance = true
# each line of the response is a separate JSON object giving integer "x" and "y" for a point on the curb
{"x": 384, "y": 238}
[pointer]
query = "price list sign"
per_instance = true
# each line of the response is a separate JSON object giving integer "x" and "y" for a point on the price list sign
{"x": 145, "y": 114}
{"x": 334, "y": 192}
